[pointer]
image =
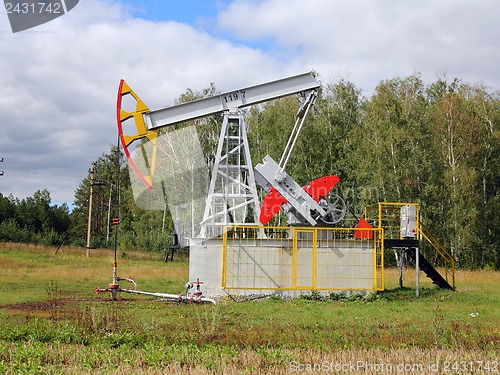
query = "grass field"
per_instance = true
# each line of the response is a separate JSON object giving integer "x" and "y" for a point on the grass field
{"x": 51, "y": 322}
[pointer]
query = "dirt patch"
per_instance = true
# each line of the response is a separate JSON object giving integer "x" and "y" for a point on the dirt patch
{"x": 49, "y": 308}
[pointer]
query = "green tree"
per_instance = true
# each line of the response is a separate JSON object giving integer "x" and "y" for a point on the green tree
{"x": 465, "y": 125}
{"x": 7, "y": 207}
{"x": 391, "y": 141}
{"x": 109, "y": 184}
{"x": 339, "y": 118}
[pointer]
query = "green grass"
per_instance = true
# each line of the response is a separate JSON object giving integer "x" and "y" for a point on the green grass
{"x": 52, "y": 322}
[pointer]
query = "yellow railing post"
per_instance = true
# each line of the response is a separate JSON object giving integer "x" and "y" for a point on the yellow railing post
{"x": 224, "y": 254}
{"x": 379, "y": 214}
{"x": 314, "y": 257}
{"x": 382, "y": 255}
{"x": 294, "y": 259}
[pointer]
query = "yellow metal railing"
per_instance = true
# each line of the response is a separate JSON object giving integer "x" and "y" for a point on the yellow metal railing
{"x": 446, "y": 257}
{"x": 302, "y": 258}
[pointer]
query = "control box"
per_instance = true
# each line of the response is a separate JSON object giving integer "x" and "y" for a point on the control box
{"x": 408, "y": 222}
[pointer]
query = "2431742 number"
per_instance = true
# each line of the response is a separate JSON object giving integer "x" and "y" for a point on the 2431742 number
{"x": 34, "y": 8}
{"x": 470, "y": 366}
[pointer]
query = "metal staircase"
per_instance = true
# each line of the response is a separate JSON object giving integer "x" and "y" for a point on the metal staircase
{"x": 441, "y": 253}
{"x": 428, "y": 269}
{"x": 405, "y": 231}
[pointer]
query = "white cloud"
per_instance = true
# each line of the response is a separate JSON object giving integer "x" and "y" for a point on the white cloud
{"x": 58, "y": 81}
{"x": 376, "y": 39}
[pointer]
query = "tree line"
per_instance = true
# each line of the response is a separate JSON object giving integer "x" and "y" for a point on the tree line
{"x": 434, "y": 144}
{"x": 33, "y": 219}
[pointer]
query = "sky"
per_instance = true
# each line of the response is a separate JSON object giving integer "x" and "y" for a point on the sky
{"x": 58, "y": 81}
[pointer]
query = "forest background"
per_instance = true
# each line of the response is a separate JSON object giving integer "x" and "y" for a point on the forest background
{"x": 434, "y": 144}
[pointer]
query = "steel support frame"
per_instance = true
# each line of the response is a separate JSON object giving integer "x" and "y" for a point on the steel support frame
{"x": 232, "y": 190}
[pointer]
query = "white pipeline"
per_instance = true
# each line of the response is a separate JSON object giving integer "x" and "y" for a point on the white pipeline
{"x": 173, "y": 297}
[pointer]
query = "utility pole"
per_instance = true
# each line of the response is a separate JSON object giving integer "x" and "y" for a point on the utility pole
{"x": 1, "y": 172}
{"x": 109, "y": 213}
{"x": 89, "y": 221}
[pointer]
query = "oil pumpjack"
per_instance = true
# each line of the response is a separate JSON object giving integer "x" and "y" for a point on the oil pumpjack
{"x": 232, "y": 197}
{"x": 232, "y": 187}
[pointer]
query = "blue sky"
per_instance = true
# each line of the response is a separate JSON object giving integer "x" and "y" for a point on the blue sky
{"x": 194, "y": 12}
{"x": 58, "y": 81}
{"x": 200, "y": 14}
